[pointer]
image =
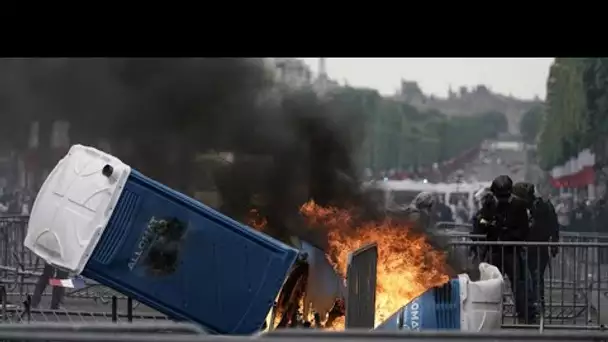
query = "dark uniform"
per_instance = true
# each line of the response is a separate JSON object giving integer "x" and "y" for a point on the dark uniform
{"x": 543, "y": 228}
{"x": 504, "y": 217}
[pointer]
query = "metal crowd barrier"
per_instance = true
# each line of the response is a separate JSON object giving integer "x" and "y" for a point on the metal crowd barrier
{"x": 588, "y": 237}
{"x": 575, "y": 280}
{"x": 19, "y": 273}
{"x": 574, "y": 284}
{"x": 453, "y": 228}
{"x": 12, "y": 252}
{"x": 462, "y": 232}
{"x": 459, "y": 227}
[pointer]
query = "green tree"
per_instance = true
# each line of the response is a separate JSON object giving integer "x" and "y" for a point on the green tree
{"x": 595, "y": 80}
{"x": 565, "y": 125}
{"x": 494, "y": 123}
{"x": 406, "y": 137}
{"x": 530, "y": 124}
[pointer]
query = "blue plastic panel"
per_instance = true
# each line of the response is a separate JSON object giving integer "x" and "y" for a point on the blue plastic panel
{"x": 436, "y": 309}
{"x": 188, "y": 261}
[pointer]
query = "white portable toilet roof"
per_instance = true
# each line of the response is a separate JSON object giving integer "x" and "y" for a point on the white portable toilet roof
{"x": 74, "y": 206}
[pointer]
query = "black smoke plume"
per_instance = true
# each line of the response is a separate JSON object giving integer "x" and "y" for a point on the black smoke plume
{"x": 158, "y": 113}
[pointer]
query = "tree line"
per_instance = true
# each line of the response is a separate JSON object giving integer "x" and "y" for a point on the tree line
{"x": 575, "y": 112}
{"x": 399, "y": 136}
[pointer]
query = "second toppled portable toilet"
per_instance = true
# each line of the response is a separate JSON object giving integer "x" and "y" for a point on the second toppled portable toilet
{"x": 460, "y": 304}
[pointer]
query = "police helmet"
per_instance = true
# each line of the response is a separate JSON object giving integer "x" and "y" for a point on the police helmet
{"x": 524, "y": 190}
{"x": 502, "y": 187}
{"x": 424, "y": 201}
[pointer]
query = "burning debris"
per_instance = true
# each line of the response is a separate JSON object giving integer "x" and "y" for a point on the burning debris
{"x": 407, "y": 266}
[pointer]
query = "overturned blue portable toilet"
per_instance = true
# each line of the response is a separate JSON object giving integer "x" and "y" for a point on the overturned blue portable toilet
{"x": 96, "y": 216}
{"x": 460, "y": 304}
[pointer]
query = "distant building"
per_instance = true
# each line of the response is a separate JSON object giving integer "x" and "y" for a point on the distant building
{"x": 322, "y": 83}
{"x": 292, "y": 72}
{"x": 464, "y": 102}
{"x": 411, "y": 93}
{"x": 295, "y": 74}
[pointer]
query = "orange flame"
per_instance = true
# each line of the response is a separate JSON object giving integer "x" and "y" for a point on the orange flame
{"x": 407, "y": 264}
{"x": 256, "y": 221}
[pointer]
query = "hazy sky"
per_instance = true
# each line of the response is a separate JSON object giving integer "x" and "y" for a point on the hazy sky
{"x": 520, "y": 77}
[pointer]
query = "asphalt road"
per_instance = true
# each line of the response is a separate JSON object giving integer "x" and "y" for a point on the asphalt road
{"x": 490, "y": 164}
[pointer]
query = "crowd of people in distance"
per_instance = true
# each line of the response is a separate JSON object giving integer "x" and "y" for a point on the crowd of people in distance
{"x": 457, "y": 210}
{"x": 15, "y": 201}
{"x": 578, "y": 214}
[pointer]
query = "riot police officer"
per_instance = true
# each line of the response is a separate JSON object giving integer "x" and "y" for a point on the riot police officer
{"x": 503, "y": 217}
{"x": 543, "y": 228}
